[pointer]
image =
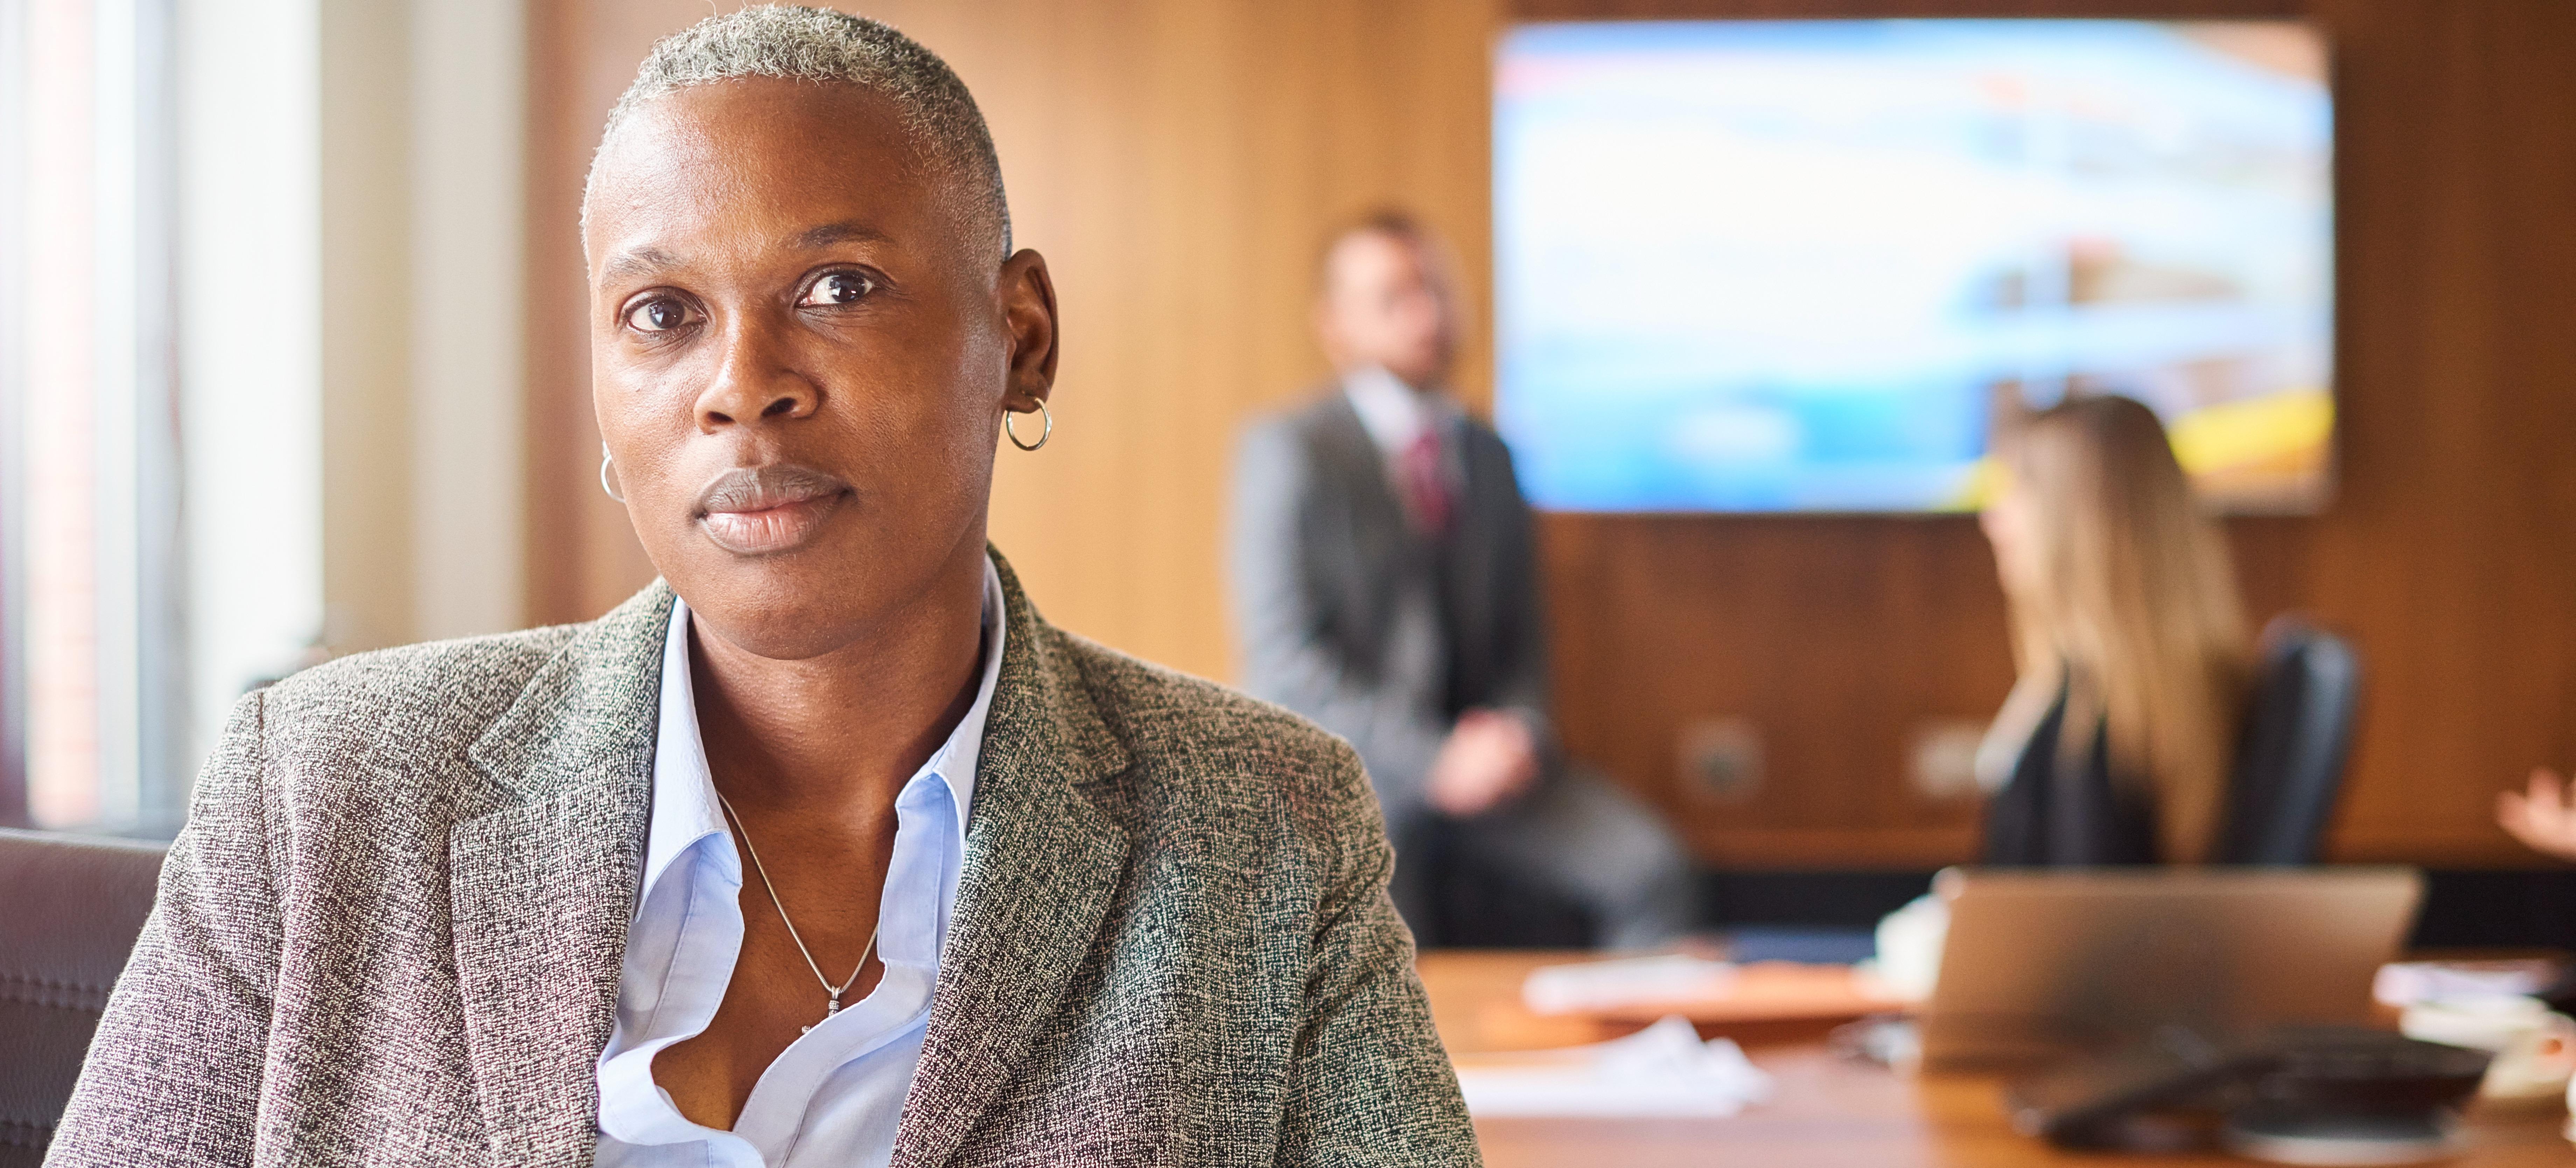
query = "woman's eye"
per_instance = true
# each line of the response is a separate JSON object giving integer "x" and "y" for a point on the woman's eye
{"x": 838, "y": 288}
{"x": 658, "y": 315}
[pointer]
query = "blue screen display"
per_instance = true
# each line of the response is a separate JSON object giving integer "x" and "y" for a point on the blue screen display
{"x": 1786, "y": 266}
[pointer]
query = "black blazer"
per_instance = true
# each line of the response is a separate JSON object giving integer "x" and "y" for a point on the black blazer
{"x": 2057, "y": 811}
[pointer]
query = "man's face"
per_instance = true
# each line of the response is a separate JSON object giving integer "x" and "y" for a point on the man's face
{"x": 1387, "y": 303}
{"x": 801, "y": 345}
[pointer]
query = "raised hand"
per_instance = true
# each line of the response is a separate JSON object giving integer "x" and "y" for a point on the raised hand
{"x": 2541, "y": 816}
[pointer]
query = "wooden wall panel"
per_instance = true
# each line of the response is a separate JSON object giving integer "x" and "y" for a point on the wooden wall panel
{"x": 2451, "y": 554}
{"x": 1178, "y": 161}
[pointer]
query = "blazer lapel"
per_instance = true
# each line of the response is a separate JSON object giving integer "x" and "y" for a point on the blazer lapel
{"x": 1358, "y": 465}
{"x": 1043, "y": 865}
{"x": 543, "y": 884}
{"x": 1381, "y": 549}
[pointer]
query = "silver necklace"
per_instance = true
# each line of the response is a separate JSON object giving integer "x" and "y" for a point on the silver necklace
{"x": 834, "y": 1006}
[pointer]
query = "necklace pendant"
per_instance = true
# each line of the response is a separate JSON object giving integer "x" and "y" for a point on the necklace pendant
{"x": 829, "y": 1008}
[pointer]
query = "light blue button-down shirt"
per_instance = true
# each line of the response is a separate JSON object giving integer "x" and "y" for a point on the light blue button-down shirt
{"x": 834, "y": 1095}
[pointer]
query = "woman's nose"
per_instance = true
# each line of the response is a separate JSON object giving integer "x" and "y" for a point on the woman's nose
{"x": 754, "y": 381}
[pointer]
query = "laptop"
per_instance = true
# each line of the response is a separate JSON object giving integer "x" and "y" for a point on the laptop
{"x": 2039, "y": 963}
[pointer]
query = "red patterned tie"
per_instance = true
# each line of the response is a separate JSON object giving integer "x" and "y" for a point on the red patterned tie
{"x": 1425, "y": 487}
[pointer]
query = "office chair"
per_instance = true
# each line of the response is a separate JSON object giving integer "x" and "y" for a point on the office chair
{"x": 73, "y": 909}
{"x": 2290, "y": 761}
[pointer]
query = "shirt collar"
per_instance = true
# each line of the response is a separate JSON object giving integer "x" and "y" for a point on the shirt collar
{"x": 955, "y": 760}
{"x": 684, "y": 792}
{"x": 1393, "y": 413}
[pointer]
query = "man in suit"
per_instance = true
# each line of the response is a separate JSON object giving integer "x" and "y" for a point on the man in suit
{"x": 1386, "y": 588}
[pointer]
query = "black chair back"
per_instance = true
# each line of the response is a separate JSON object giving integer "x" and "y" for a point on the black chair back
{"x": 69, "y": 912}
{"x": 2290, "y": 761}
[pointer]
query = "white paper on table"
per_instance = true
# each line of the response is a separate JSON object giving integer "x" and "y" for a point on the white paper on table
{"x": 2406, "y": 983}
{"x": 1661, "y": 1071}
{"x": 1608, "y": 985}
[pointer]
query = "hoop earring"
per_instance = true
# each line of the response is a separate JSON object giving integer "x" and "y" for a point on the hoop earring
{"x": 604, "y": 468}
{"x": 1043, "y": 435}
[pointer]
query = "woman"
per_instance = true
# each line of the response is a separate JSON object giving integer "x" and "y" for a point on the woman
{"x": 825, "y": 849}
{"x": 2115, "y": 745}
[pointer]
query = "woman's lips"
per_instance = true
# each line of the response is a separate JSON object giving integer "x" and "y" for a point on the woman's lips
{"x": 771, "y": 529}
{"x": 765, "y": 510}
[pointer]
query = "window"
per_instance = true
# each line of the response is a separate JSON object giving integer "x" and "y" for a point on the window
{"x": 90, "y": 558}
{"x": 224, "y": 451}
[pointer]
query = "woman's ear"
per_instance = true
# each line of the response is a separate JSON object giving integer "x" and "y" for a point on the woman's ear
{"x": 1028, "y": 312}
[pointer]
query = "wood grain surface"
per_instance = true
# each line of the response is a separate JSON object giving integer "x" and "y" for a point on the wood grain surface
{"x": 1825, "y": 1111}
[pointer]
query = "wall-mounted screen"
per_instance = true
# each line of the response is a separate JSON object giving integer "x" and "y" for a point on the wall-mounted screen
{"x": 1810, "y": 265}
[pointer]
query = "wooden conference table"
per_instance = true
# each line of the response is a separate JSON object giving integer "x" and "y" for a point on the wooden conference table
{"x": 1825, "y": 1112}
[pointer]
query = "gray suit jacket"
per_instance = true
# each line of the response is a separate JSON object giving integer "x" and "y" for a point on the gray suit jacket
{"x": 1349, "y": 616}
{"x": 391, "y": 932}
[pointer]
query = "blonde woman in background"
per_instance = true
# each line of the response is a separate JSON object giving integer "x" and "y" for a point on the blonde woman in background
{"x": 2116, "y": 743}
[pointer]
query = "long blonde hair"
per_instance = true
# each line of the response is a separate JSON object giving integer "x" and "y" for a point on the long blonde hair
{"x": 2131, "y": 602}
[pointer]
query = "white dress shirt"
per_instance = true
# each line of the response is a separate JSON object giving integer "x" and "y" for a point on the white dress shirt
{"x": 1393, "y": 413}
{"x": 1396, "y": 416}
{"x": 833, "y": 1096}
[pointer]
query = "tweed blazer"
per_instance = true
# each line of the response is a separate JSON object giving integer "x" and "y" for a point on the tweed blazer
{"x": 391, "y": 932}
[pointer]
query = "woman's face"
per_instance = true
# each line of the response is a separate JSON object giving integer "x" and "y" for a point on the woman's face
{"x": 2011, "y": 528}
{"x": 802, "y": 341}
